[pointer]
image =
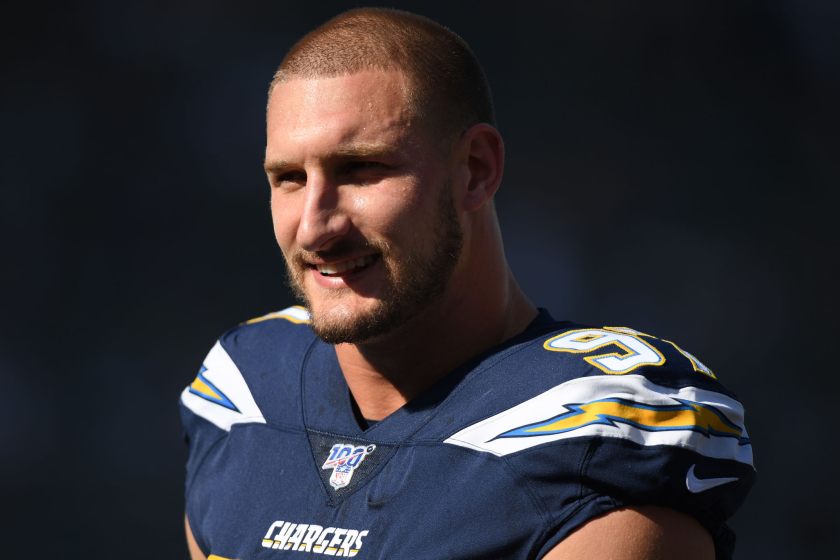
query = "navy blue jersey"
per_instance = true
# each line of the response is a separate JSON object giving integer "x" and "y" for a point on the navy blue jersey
{"x": 502, "y": 458}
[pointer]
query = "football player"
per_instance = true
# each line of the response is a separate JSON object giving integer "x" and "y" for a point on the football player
{"x": 418, "y": 405}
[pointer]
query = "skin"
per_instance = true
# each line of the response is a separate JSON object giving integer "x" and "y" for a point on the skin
{"x": 647, "y": 532}
{"x": 347, "y": 162}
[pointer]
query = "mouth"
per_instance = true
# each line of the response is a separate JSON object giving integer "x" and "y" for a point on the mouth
{"x": 346, "y": 267}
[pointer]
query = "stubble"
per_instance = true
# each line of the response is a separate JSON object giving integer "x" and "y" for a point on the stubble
{"x": 412, "y": 282}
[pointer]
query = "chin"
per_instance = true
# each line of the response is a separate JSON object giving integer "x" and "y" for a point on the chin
{"x": 332, "y": 313}
{"x": 346, "y": 323}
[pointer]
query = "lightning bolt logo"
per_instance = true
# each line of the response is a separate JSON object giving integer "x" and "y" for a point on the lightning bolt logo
{"x": 206, "y": 390}
{"x": 687, "y": 415}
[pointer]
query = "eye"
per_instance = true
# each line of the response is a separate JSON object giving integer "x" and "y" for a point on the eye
{"x": 366, "y": 165}
{"x": 295, "y": 177}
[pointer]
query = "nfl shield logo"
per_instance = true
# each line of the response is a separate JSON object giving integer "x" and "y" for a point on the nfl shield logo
{"x": 343, "y": 460}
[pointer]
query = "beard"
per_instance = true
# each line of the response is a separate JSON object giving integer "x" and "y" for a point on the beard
{"x": 412, "y": 281}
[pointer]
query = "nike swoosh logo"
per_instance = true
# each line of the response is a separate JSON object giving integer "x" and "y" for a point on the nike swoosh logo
{"x": 696, "y": 485}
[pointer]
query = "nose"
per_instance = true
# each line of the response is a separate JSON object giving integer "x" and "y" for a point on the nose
{"x": 323, "y": 221}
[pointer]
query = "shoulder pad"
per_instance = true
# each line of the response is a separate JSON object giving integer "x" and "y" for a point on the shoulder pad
{"x": 220, "y": 394}
{"x": 611, "y": 382}
{"x": 628, "y": 407}
{"x": 294, "y": 314}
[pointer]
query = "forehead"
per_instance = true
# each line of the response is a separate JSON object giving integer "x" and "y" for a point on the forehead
{"x": 367, "y": 106}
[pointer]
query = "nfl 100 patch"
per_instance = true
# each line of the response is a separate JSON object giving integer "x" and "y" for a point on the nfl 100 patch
{"x": 344, "y": 459}
{"x": 345, "y": 462}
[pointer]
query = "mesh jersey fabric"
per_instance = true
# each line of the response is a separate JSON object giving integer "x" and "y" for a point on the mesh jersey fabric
{"x": 502, "y": 458}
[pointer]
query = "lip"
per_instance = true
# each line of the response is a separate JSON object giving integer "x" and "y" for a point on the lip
{"x": 314, "y": 262}
{"x": 351, "y": 280}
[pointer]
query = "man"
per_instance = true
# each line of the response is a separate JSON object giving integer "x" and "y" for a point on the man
{"x": 420, "y": 406}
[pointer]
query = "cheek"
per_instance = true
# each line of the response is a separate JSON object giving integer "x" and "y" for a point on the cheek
{"x": 285, "y": 219}
{"x": 388, "y": 209}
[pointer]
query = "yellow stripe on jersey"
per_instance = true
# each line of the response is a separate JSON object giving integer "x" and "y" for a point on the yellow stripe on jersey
{"x": 294, "y": 314}
{"x": 201, "y": 387}
{"x": 687, "y": 415}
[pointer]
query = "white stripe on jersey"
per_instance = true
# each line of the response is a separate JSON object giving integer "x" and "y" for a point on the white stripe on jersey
{"x": 226, "y": 377}
{"x": 620, "y": 406}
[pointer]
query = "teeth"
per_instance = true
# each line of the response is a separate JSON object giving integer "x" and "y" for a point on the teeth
{"x": 339, "y": 267}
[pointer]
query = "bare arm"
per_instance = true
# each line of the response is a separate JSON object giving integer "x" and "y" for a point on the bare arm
{"x": 195, "y": 552}
{"x": 638, "y": 533}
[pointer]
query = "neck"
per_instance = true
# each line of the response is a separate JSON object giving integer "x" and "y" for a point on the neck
{"x": 483, "y": 307}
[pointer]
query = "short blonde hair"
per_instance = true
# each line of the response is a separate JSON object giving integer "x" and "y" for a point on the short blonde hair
{"x": 448, "y": 89}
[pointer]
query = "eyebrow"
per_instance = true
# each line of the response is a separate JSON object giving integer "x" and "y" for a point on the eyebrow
{"x": 358, "y": 151}
{"x": 276, "y": 166}
{"x": 366, "y": 150}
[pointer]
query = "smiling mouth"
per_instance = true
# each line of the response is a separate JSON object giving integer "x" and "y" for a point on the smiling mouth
{"x": 343, "y": 268}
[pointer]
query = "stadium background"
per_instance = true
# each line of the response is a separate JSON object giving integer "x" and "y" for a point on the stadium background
{"x": 672, "y": 166}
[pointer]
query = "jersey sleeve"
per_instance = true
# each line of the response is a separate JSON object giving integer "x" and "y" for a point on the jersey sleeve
{"x": 600, "y": 442}
{"x": 217, "y": 399}
{"x": 685, "y": 449}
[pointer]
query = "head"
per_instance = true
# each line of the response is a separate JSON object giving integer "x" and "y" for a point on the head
{"x": 445, "y": 85}
{"x": 373, "y": 122}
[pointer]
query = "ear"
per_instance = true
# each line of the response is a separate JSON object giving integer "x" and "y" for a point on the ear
{"x": 482, "y": 160}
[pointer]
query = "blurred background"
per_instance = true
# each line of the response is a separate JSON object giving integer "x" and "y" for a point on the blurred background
{"x": 672, "y": 167}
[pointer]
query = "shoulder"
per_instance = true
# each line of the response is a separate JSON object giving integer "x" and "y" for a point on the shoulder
{"x": 605, "y": 417}
{"x": 566, "y": 351}
{"x": 283, "y": 330}
{"x": 576, "y": 381}
{"x": 238, "y": 379}
{"x": 622, "y": 350}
